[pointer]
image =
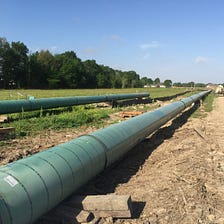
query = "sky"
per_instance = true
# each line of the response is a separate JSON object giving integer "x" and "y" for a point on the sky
{"x": 181, "y": 40}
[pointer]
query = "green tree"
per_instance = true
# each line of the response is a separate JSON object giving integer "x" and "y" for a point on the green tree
{"x": 157, "y": 81}
{"x": 13, "y": 63}
{"x": 202, "y": 85}
{"x": 101, "y": 81}
{"x": 71, "y": 72}
{"x": 44, "y": 62}
{"x": 167, "y": 83}
{"x": 4, "y": 68}
{"x": 178, "y": 84}
{"x": 116, "y": 80}
{"x": 191, "y": 84}
{"x": 130, "y": 79}
{"x": 146, "y": 81}
{"x": 20, "y": 63}
{"x": 35, "y": 79}
{"x": 150, "y": 81}
{"x": 109, "y": 76}
{"x": 91, "y": 70}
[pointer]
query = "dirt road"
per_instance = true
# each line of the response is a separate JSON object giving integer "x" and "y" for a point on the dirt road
{"x": 174, "y": 176}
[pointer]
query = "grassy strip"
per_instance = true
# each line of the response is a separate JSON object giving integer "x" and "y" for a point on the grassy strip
{"x": 80, "y": 115}
{"x": 208, "y": 102}
{"x": 206, "y": 107}
{"x": 24, "y": 94}
{"x": 34, "y": 122}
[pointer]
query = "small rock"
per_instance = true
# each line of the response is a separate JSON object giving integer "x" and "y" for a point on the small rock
{"x": 211, "y": 217}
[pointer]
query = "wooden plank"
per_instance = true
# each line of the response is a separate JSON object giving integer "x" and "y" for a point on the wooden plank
{"x": 6, "y": 130}
{"x": 113, "y": 213}
{"x": 130, "y": 113}
{"x": 84, "y": 216}
{"x": 110, "y": 202}
{"x": 78, "y": 215}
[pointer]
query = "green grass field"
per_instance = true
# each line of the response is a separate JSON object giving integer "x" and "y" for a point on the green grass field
{"x": 34, "y": 122}
{"x": 24, "y": 94}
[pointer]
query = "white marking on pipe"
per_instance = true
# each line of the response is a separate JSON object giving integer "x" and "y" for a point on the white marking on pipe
{"x": 11, "y": 181}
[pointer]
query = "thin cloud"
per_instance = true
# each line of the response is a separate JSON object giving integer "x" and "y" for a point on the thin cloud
{"x": 200, "y": 60}
{"x": 92, "y": 50}
{"x": 113, "y": 37}
{"x": 116, "y": 38}
{"x": 153, "y": 44}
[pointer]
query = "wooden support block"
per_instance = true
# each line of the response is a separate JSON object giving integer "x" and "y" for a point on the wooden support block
{"x": 113, "y": 213}
{"x": 130, "y": 113}
{"x": 104, "y": 205}
{"x": 84, "y": 216}
{"x": 6, "y": 130}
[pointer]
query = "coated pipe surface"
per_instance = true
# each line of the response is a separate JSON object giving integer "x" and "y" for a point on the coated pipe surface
{"x": 15, "y": 106}
{"x": 32, "y": 186}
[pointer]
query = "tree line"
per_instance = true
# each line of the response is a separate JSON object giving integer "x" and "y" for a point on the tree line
{"x": 21, "y": 69}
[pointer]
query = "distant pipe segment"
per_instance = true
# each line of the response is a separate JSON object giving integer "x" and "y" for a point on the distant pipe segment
{"x": 16, "y": 106}
{"x": 32, "y": 186}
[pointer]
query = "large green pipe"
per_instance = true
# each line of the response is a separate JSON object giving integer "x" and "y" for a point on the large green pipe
{"x": 32, "y": 186}
{"x": 15, "y": 106}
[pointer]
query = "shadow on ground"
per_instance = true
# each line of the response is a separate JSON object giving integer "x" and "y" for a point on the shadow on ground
{"x": 124, "y": 169}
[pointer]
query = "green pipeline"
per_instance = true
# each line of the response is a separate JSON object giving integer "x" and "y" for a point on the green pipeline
{"x": 16, "y": 106}
{"x": 32, "y": 186}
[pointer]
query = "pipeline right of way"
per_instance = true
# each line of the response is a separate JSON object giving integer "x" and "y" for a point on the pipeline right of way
{"x": 32, "y": 186}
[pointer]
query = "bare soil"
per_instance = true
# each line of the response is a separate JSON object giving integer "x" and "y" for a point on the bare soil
{"x": 175, "y": 176}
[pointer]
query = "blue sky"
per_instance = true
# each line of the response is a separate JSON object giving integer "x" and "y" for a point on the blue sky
{"x": 181, "y": 40}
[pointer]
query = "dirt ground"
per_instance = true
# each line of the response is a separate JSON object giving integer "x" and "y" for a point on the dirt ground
{"x": 175, "y": 176}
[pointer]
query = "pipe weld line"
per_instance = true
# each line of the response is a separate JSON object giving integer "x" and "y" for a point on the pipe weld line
{"x": 60, "y": 179}
{"x": 66, "y": 161}
{"x": 45, "y": 185}
{"x": 105, "y": 148}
